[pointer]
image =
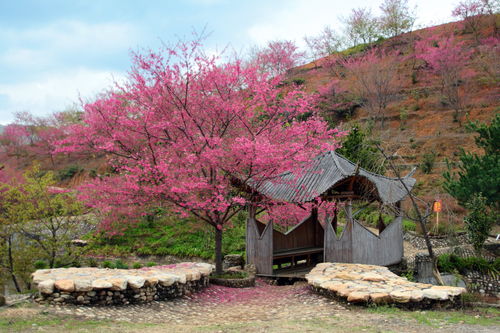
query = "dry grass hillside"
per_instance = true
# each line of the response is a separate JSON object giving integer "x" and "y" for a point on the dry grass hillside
{"x": 419, "y": 126}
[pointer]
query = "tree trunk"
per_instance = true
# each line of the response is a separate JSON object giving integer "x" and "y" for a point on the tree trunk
{"x": 11, "y": 264}
{"x": 421, "y": 219}
{"x": 218, "y": 249}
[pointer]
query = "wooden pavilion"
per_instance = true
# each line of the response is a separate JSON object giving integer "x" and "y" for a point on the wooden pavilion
{"x": 329, "y": 177}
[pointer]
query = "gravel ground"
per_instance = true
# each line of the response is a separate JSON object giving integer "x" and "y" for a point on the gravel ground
{"x": 265, "y": 308}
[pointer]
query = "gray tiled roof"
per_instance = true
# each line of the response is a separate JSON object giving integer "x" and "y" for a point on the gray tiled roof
{"x": 326, "y": 171}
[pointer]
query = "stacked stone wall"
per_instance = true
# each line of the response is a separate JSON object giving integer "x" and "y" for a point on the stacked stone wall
{"x": 93, "y": 286}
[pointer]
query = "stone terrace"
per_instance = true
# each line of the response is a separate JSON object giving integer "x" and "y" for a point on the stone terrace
{"x": 98, "y": 286}
{"x": 367, "y": 284}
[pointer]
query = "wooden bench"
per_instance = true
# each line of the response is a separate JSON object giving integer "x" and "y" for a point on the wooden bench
{"x": 294, "y": 255}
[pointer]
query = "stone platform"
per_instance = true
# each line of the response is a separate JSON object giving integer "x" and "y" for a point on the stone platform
{"x": 104, "y": 286}
{"x": 365, "y": 284}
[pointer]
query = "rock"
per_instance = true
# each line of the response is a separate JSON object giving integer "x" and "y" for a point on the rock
{"x": 135, "y": 281}
{"x": 435, "y": 294}
{"x": 233, "y": 260}
{"x": 417, "y": 295}
{"x": 46, "y": 287}
{"x": 118, "y": 284}
{"x": 65, "y": 285}
{"x": 80, "y": 299}
{"x": 167, "y": 280}
{"x": 181, "y": 278}
{"x": 452, "y": 291}
{"x": 357, "y": 296}
{"x": 251, "y": 269}
{"x": 373, "y": 278}
{"x": 204, "y": 268}
{"x": 346, "y": 276}
{"x": 234, "y": 269}
{"x": 380, "y": 298}
{"x": 400, "y": 296}
{"x": 83, "y": 285}
{"x": 101, "y": 284}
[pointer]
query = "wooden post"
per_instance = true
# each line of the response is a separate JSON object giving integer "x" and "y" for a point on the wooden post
{"x": 335, "y": 221}
{"x": 250, "y": 235}
{"x": 348, "y": 210}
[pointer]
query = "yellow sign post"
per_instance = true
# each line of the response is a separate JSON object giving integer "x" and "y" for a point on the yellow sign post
{"x": 437, "y": 207}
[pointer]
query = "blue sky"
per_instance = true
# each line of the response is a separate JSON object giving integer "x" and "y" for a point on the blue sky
{"x": 52, "y": 52}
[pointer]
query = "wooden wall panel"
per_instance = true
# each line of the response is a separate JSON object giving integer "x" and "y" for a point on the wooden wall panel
{"x": 385, "y": 249}
{"x": 359, "y": 245}
{"x": 260, "y": 246}
{"x": 338, "y": 249}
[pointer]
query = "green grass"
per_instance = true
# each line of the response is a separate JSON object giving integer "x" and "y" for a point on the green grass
{"x": 483, "y": 317}
{"x": 452, "y": 263}
{"x": 26, "y": 317}
{"x": 166, "y": 235}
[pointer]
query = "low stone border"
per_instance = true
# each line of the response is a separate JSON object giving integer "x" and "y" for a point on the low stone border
{"x": 418, "y": 241}
{"x": 370, "y": 284}
{"x": 234, "y": 283}
{"x": 98, "y": 286}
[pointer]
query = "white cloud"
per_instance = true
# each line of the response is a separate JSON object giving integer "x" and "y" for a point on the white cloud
{"x": 54, "y": 92}
{"x": 25, "y": 57}
{"x": 51, "y": 44}
{"x": 71, "y": 34}
{"x": 40, "y": 62}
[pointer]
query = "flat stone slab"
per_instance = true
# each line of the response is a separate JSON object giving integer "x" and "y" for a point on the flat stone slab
{"x": 116, "y": 286}
{"x": 367, "y": 284}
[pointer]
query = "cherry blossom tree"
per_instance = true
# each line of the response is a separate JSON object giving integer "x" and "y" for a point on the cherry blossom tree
{"x": 196, "y": 136}
{"x": 488, "y": 59}
{"x": 471, "y": 11}
{"x": 397, "y": 17}
{"x": 33, "y": 137}
{"x": 373, "y": 77}
{"x": 361, "y": 26}
{"x": 323, "y": 44}
{"x": 448, "y": 59}
{"x": 277, "y": 57}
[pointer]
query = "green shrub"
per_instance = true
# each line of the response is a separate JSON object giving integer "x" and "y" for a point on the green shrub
{"x": 69, "y": 172}
{"x": 479, "y": 221}
{"x": 299, "y": 81}
{"x": 41, "y": 264}
{"x": 120, "y": 264}
{"x": 414, "y": 77}
{"x": 93, "y": 173}
{"x": 409, "y": 225}
{"x": 150, "y": 264}
{"x": 339, "y": 230}
{"x": 452, "y": 263}
{"x": 75, "y": 263}
{"x": 137, "y": 265}
{"x": 428, "y": 162}
{"x": 107, "y": 264}
{"x": 92, "y": 262}
{"x": 409, "y": 275}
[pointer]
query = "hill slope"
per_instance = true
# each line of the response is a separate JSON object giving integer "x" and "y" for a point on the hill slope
{"x": 419, "y": 126}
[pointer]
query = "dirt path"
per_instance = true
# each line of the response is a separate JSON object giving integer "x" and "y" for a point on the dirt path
{"x": 265, "y": 308}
